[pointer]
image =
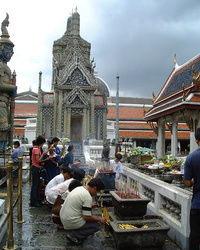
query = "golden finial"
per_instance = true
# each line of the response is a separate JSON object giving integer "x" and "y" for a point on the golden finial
{"x": 196, "y": 77}
{"x": 153, "y": 96}
{"x": 194, "y": 71}
{"x": 175, "y": 61}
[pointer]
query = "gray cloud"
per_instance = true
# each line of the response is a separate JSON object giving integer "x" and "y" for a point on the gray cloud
{"x": 136, "y": 39}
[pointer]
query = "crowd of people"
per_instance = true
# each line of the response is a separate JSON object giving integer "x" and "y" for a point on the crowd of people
{"x": 72, "y": 201}
{"x": 71, "y": 198}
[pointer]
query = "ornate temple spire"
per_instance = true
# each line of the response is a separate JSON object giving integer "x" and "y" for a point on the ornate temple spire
{"x": 73, "y": 23}
{"x": 6, "y": 46}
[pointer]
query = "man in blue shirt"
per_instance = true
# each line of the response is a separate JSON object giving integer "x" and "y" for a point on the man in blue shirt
{"x": 15, "y": 153}
{"x": 192, "y": 178}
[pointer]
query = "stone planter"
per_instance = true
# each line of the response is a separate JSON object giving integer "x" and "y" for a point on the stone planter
{"x": 140, "y": 238}
{"x": 129, "y": 208}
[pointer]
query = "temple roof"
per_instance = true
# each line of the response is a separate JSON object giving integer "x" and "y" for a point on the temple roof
{"x": 132, "y": 100}
{"x": 179, "y": 91}
{"x": 27, "y": 96}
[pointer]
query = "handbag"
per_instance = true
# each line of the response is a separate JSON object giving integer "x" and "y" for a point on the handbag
{"x": 57, "y": 205}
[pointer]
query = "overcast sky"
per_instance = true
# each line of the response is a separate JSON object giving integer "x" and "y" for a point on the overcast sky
{"x": 136, "y": 39}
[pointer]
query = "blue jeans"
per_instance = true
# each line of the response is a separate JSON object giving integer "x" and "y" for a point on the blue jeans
{"x": 36, "y": 185}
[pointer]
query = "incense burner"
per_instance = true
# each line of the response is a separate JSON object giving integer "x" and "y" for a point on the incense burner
{"x": 145, "y": 234}
{"x": 129, "y": 207}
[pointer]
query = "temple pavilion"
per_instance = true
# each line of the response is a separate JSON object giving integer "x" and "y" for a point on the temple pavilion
{"x": 177, "y": 105}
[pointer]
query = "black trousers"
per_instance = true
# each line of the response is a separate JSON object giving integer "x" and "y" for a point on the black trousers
{"x": 194, "y": 239}
{"x": 36, "y": 185}
{"x": 87, "y": 229}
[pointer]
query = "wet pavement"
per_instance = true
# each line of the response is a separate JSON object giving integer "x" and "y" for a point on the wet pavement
{"x": 38, "y": 232}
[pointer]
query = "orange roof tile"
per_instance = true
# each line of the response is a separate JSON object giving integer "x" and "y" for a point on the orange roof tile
{"x": 150, "y": 134}
{"x": 25, "y": 110}
{"x": 126, "y": 113}
{"x": 19, "y": 131}
{"x": 195, "y": 98}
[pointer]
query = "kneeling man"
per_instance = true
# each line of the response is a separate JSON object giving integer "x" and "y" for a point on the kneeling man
{"x": 76, "y": 215}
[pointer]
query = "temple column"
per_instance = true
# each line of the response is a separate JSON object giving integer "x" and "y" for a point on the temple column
{"x": 191, "y": 118}
{"x": 161, "y": 138}
{"x": 59, "y": 113}
{"x": 68, "y": 122}
{"x": 134, "y": 144}
{"x": 88, "y": 123}
{"x": 84, "y": 123}
{"x": 104, "y": 124}
{"x": 194, "y": 115}
{"x": 92, "y": 117}
{"x": 193, "y": 144}
{"x": 55, "y": 114}
{"x": 174, "y": 137}
{"x": 65, "y": 122}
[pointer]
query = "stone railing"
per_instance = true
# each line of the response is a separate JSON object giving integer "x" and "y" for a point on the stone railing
{"x": 170, "y": 202}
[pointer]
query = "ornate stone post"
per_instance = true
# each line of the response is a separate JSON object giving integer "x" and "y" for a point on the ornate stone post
{"x": 39, "y": 112}
{"x": 117, "y": 112}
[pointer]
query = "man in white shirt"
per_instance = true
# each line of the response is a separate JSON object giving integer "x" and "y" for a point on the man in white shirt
{"x": 62, "y": 187}
{"x": 65, "y": 175}
{"x": 116, "y": 166}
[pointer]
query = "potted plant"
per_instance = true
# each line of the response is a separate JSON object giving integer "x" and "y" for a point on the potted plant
{"x": 141, "y": 155}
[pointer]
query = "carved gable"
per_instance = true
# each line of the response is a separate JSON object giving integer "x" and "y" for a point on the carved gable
{"x": 76, "y": 79}
{"x": 76, "y": 97}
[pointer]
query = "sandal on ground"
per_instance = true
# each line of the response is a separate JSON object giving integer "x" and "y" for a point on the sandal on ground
{"x": 73, "y": 240}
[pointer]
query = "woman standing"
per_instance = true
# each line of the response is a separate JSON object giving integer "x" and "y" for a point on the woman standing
{"x": 50, "y": 164}
{"x": 69, "y": 157}
{"x": 35, "y": 168}
{"x": 55, "y": 141}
